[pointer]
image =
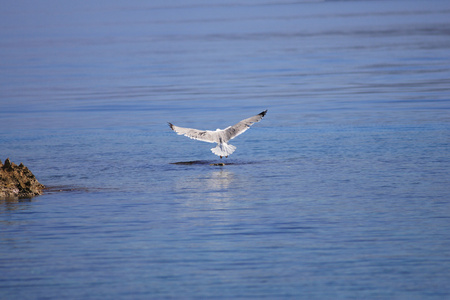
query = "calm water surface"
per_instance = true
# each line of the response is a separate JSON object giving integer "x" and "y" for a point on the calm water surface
{"x": 341, "y": 192}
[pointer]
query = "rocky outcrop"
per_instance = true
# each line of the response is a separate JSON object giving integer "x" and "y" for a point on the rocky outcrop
{"x": 16, "y": 181}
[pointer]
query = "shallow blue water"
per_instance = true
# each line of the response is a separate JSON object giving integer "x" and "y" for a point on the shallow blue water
{"x": 340, "y": 192}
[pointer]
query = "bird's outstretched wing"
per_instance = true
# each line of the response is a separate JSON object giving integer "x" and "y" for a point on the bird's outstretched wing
{"x": 235, "y": 130}
{"x": 201, "y": 135}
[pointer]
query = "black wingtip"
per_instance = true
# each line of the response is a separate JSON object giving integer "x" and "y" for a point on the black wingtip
{"x": 170, "y": 125}
{"x": 263, "y": 113}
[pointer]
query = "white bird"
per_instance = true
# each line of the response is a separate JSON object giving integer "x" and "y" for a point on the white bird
{"x": 220, "y": 136}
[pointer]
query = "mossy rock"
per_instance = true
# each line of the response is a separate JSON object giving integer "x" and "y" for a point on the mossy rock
{"x": 17, "y": 181}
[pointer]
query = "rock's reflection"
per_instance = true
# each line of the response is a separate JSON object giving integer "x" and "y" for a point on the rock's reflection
{"x": 10, "y": 204}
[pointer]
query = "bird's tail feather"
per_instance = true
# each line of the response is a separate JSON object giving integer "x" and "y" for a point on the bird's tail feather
{"x": 223, "y": 149}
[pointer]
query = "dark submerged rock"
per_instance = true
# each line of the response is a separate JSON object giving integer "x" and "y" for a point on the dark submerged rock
{"x": 17, "y": 181}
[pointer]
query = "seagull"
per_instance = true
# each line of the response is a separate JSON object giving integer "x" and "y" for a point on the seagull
{"x": 220, "y": 136}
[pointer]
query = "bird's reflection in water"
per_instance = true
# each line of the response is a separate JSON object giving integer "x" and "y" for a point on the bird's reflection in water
{"x": 213, "y": 187}
{"x": 210, "y": 199}
{"x": 219, "y": 180}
